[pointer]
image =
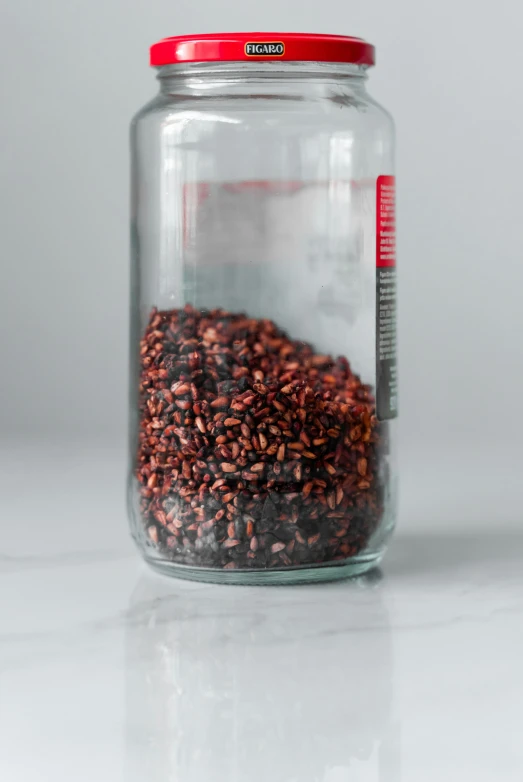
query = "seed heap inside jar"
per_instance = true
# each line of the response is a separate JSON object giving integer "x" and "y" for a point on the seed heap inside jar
{"x": 254, "y": 451}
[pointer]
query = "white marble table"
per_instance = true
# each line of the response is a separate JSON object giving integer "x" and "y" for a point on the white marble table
{"x": 109, "y": 673}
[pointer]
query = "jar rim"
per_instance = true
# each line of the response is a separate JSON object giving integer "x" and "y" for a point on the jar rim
{"x": 242, "y": 47}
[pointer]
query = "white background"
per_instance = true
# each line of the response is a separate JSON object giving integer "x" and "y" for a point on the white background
{"x": 74, "y": 71}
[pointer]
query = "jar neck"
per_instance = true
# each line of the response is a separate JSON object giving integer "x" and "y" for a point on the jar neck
{"x": 269, "y": 77}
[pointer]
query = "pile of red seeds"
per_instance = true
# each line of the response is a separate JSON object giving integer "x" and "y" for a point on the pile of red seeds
{"x": 253, "y": 451}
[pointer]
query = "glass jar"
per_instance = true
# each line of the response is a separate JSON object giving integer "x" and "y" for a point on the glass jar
{"x": 263, "y": 372}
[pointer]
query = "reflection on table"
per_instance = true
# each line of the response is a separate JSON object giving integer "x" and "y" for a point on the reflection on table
{"x": 251, "y": 685}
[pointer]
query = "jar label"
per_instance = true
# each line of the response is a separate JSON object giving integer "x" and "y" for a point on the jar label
{"x": 386, "y": 379}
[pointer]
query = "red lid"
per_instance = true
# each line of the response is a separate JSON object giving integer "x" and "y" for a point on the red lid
{"x": 261, "y": 46}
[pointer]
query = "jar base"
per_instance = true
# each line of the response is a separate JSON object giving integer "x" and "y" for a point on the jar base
{"x": 356, "y": 566}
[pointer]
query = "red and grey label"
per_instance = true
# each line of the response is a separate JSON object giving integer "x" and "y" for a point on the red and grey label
{"x": 386, "y": 376}
{"x": 265, "y": 49}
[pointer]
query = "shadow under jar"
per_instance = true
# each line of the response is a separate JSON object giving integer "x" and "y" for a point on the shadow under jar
{"x": 263, "y": 370}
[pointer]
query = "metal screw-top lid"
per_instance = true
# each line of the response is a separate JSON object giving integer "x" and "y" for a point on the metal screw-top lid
{"x": 262, "y": 46}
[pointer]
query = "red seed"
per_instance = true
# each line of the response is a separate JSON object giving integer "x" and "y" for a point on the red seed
{"x": 260, "y": 388}
{"x": 220, "y": 401}
{"x": 330, "y": 469}
{"x": 307, "y": 488}
{"x": 362, "y": 466}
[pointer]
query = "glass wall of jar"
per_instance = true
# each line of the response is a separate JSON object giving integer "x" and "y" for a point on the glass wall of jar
{"x": 263, "y": 312}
